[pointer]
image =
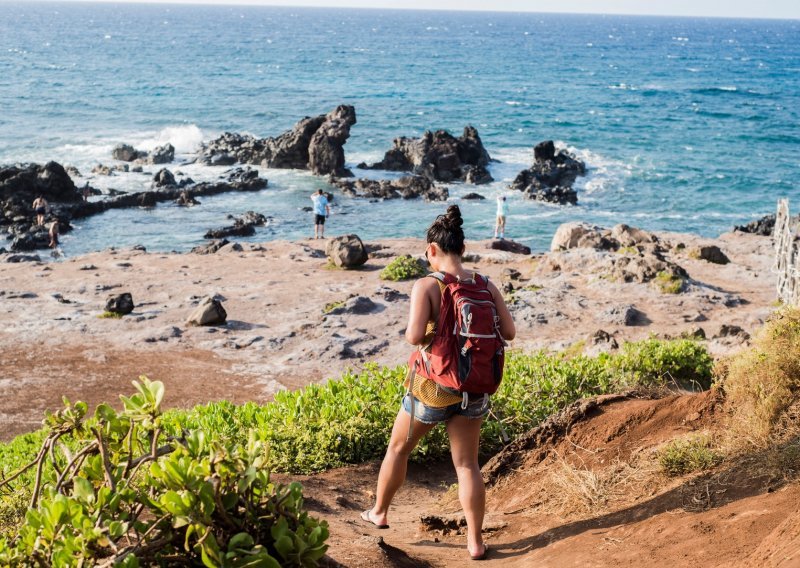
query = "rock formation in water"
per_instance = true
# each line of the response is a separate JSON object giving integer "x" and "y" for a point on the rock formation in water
{"x": 439, "y": 156}
{"x": 406, "y": 187}
{"x": 243, "y": 226}
{"x": 315, "y": 144}
{"x": 551, "y": 176}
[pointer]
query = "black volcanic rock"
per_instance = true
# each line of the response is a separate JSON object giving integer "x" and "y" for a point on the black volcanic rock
{"x": 439, "y": 156}
{"x": 406, "y": 187}
{"x": 243, "y": 226}
{"x": 314, "y": 143}
{"x": 551, "y": 176}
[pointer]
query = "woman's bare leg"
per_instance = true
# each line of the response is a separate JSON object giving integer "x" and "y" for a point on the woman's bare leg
{"x": 394, "y": 466}
{"x": 464, "y": 436}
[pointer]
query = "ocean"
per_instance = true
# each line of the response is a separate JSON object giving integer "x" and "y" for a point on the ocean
{"x": 684, "y": 124}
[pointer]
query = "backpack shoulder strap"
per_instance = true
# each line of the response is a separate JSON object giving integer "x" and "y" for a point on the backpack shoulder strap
{"x": 440, "y": 278}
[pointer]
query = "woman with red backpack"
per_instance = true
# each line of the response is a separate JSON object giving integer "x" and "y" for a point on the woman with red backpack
{"x": 459, "y": 323}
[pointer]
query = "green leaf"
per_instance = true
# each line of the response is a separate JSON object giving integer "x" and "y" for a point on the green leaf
{"x": 240, "y": 540}
{"x": 83, "y": 490}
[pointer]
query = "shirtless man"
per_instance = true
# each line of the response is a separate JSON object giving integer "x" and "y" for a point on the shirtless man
{"x": 40, "y": 208}
{"x": 321, "y": 212}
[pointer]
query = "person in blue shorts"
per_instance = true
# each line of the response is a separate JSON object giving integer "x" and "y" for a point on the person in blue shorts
{"x": 321, "y": 212}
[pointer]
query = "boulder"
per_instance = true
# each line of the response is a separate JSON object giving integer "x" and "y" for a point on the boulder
{"x": 346, "y": 251}
{"x": 37, "y": 238}
{"x": 621, "y": 315}
{"x": 551, "y": 176}
{"x": 510, "y": 246}
{"x": 568, "y": 235}
{"x": 162, "y": 154}
{"x": 209, "y": 312}
{"x": 126, "y": 153}
{"x": 186, "y": 200}
{"x": 163, "y": 178}
{"x": 358, "y": 305}
{"x": 120, "y": 303}
{"x": 630, "y": 237}
{"x": 477, "y": 175}
{"x": 243, "y": 226}
{"x": 735, "y": 331}
{"x": 439, "y": 156}
{"x": 473, "y": 196}
{"x": 709, "y": 253}
{"x": 14, "y": 258}
{"x": 210, "y": 248}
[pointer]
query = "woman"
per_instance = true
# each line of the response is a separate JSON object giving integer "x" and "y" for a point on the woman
{"x": 444, "y": 250}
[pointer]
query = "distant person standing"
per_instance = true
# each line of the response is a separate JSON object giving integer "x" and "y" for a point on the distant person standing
{"x": 502, "y": 213}
{"x": 40, "y": 208}
{"x": 321, "y": 212}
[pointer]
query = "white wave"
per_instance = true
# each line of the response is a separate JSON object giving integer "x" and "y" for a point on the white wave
{"x": 513, "y": 103}
{"x": 185, "y": 138}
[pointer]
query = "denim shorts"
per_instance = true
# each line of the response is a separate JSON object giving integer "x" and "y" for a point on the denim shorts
{"x": 478, "y": 407}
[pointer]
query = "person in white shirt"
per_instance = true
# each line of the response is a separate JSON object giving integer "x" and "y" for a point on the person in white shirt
{"x": 321, "y": 212}
{"x": 502, "y": 212}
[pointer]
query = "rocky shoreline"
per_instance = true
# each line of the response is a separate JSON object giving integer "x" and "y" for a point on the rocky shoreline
{"x": 315, "y": 144}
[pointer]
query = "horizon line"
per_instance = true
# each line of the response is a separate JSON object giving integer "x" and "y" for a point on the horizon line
{"x": 262, "y": 4}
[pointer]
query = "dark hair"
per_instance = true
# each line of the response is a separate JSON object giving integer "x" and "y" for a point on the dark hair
{"x": 319, "y": 191}
{"x": 446, "y": 231}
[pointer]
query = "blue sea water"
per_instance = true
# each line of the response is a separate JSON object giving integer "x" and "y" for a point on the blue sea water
{"x": 685, "y": 124}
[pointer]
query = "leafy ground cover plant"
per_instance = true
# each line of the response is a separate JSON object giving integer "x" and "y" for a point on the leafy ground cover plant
{"x": 696, "y": 452}
{"x": 319, "y": 427}
{"x": 128, "y": 494}
{"x": 403, "y": 267}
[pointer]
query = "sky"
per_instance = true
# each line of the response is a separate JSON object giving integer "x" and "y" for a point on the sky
{"x": 788, "y": 9}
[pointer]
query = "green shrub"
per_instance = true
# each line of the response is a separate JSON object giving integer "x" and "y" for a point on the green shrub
{"x": 403, "y": 267}
{"x": 654, "y": 362}
{"x": 134, "y": 496}
{"x": 687, "y": 455}
{"x": 110, "y": 315}
{"x": 668, "y": 283}
{"x": 330, "y": 306}
{"x": 349, "y": 420}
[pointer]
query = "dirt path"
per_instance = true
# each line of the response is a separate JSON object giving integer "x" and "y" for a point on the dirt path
{"x": 732, "y": 516}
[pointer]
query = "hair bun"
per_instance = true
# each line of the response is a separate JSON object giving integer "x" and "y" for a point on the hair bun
{"x": 453, "y": 216}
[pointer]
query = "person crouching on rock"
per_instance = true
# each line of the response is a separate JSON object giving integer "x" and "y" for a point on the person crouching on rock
{"x": 54, "y": 234}
{"x": 427, "y": 402}
{"x": 321, "y": 212}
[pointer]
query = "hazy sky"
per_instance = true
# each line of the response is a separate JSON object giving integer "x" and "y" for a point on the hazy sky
{"x": 727, "y": 8}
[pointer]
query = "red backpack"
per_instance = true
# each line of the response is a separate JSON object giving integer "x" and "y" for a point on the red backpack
{"x": 467, "y": 352}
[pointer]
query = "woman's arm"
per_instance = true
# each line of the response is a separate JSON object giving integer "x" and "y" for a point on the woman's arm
{"x": 507, "y": 328}
{"x": 420, "y": 310}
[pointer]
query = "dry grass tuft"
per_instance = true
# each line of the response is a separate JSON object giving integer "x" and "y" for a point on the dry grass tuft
{"x": 762, "y": 385}
{"x": 582, "y": 490}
